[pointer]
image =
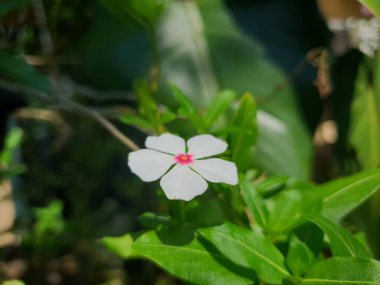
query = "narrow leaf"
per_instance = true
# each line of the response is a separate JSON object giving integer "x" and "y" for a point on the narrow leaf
{"x": 254, "y": 202}
{"x": 242, "y": 144}
{"x": 343, "y": 195}
{"x": 218, "y": 106}
{"x": 342, "y": 243}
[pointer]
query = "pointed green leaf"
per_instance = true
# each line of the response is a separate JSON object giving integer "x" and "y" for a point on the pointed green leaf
{"x": 342, "y": 243}
{"x": 344, "y": 270}
{"x": 242, "y": 144}
{"x": 248, "y": 249}
{"x": 343, "y": 195}
{"x": 254, "y": 202}
{"x": 219, "y": 104}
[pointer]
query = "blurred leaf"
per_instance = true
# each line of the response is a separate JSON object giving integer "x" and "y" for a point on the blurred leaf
{"x": 271, "y": 185}
{"x": 283, "y": 144}
{"x": 13, "y": 282}
{"x": 254, "y": 202}
{"x": 12, "y": 141}
{"x": 49, "y": 220}
{"x": 13, "y": 170}
{"x": 219, "y": 104}
{"x": 365, "y": 126}
{"x": 373, "y": 5}
{"x": 342, "y": 243}
{"x": 167, "y": 116}
{"x": 300, "y": 257}
{"x": 152, "y": 221}
{"x": 341, "y": 196}
{"x": 188, "y": 260}
{"x": 344, "y": 270}
{"x": 242, "y": 144}
{"x": 18, "y": 71}
{"x": 248, "y": 249}
{"x": 285, "y": 212}
{"x": 7, "y": 6}
{"x": 147, "y": 106}
{"x": 136, "y": 121}
{"x": 146, "y": 12}
{"x": 187, "y": 108}
{"x": 184, "y": 52}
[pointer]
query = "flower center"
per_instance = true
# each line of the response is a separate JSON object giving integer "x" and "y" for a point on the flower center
{"x": 184, "y": 159}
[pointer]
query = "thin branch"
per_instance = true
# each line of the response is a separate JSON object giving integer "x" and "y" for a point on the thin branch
{"x": 71, "y": 106}
{"x": 115, "y": 132}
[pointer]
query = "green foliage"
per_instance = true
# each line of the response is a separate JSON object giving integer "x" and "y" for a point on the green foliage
{"x": 341, "y": 242}
{"x": 343, "y": 195}
{"x": 13, "y": 282}
{"x": 249, "y": 250}
{"x": 300, "y": 258}
{"x": 365, "y": 126}
{"x": 344, "y": 270}
{"x": 242, "y": 144}
{"x": 178, "y": 252}
{"x": 255, "y": 203}
{"x": 17, "y": 70}
{"x": 146, "y": 12}
{"x": 7, "y": 166}
{"x": 12, "y": 141}
{"x": 7, "y": 6}
{"x": 49, "y": 225}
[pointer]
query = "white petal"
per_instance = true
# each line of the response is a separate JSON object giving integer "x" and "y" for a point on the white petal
{"x": 149, "y": 164}
{"x": 216, "y": 170}
{"x": 205, "y": 145}
{"x": 181, "y": 183}
{"x": 166, "y": 143}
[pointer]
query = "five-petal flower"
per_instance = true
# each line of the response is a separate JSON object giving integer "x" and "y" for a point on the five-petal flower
{"x": 187, "y": 178}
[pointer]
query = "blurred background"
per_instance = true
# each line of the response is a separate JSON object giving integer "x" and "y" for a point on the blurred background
{"x": 64, "y": 181}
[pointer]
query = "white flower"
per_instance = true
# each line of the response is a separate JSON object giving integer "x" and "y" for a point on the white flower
{"x": 187, "y": 178}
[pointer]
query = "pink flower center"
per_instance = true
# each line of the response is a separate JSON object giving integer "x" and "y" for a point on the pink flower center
{"x": 184, "y": 159}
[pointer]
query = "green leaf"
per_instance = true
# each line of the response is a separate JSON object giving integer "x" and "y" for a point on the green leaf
{"x": 373, "y": 5}
{"x": 285, "y": 212}
{"x": 248, "y": 249}
{"x": 146, "y": 12}
{"x": 219, "y": 104}
{"x": 187, "y": 108}
{"x": 344, "y": 270}
{"x": 300, "y": 257}
{"x": 272, "y": 185}
{"x": 147, "y": 106}
{"x": 343, "y": 195}
{"x": 242, "y": 144}
{"x": 188, "y": 260}
{"x": 167, "y": 116}
{"x": 342, "y": 243}
{"x": 7, "y": 6}
{"x": 254, "y": 202}
{"x": 184, "y": 52}
{"x": 18, "y": 71}
{"x": 136, "y": 121}
{"x": 12, "y": 141}
{"x": 365, "y": 126}
{"x": 311, "y": 235}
